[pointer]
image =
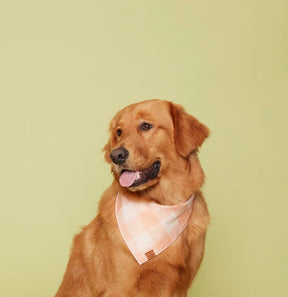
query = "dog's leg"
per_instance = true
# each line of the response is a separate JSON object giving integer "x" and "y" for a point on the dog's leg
{"x": 74, "y": 282}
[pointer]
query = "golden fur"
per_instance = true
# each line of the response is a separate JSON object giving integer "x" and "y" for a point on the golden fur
{"x": 100, "y": 263}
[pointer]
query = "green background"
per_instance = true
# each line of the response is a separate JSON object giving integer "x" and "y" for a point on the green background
{"x": 67, "y": 66}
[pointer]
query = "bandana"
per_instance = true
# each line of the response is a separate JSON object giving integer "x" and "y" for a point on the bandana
{"x": 149, "y": 228}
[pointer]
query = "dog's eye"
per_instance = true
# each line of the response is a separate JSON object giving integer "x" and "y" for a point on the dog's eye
{"x": 119, "y": 132}
{"x": 145, "y": 126}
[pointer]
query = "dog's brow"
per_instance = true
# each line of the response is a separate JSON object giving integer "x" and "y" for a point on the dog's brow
{"x": 144, "y": 116}
{"x": 143, "y": 120}
{"x": 119, "y": 123}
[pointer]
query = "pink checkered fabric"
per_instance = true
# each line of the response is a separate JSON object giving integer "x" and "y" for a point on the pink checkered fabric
{"x": 149, "y": 228}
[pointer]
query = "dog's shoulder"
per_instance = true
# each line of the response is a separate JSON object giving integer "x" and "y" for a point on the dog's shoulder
{"x": 102, "y": 224}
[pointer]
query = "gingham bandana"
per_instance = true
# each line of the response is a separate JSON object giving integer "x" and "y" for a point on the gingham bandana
{"x": 149, "y": 228}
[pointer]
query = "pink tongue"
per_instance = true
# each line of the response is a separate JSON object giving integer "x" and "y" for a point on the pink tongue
{"x": 127, "y": 178}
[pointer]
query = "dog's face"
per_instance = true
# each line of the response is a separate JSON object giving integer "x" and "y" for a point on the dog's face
{"x": 149, "y": 142}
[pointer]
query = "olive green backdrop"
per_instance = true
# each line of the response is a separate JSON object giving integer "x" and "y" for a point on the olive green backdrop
{"x": 67, "y": 66}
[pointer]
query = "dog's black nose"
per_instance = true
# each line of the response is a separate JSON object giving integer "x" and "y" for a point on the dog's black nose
{"x": 119, "y": 155}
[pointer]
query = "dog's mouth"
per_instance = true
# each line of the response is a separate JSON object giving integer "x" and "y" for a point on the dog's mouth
{"x": 129, "y": 178}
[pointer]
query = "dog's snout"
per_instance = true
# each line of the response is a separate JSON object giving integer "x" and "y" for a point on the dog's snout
{"x": 119, "y": 155}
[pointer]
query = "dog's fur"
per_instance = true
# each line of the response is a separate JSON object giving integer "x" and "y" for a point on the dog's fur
{"x": 100, "y": 263}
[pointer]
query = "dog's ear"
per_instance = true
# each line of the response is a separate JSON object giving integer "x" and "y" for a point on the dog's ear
{"x": 189, "y": 133}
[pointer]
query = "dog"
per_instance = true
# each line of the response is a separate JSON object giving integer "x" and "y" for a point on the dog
{"x": 152, "y": 150}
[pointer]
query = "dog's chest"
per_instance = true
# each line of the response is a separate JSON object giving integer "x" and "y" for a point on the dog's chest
{"x": 165, "y": 270}
{"x": 159, "y": 276}
{"x": 148, "y": 228}
{"x": 173, "y": 258}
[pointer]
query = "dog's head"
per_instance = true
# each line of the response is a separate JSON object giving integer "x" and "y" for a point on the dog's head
{"x": 152, "y": 144}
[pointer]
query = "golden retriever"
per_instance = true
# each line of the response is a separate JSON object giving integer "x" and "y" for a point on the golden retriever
{"x": 159, "y": 140}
